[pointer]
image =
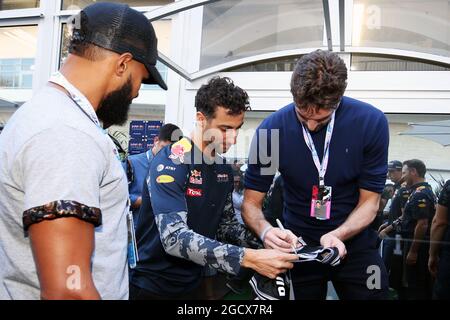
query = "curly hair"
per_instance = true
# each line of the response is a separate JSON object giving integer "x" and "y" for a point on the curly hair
{"x": 319, "y": 80}
{"x": 221, "y": 91}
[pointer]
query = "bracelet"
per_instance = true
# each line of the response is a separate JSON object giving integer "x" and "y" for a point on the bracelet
{"x": 263, "y": 234}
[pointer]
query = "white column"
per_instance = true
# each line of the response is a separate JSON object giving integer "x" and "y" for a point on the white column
{"x": 47, "y": 50}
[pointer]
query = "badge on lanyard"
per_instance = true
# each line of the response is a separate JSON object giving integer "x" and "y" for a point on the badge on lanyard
{"x": 321, "y": 194}
{"x": 133, "y": 256}
{"x": 321, "y": 202}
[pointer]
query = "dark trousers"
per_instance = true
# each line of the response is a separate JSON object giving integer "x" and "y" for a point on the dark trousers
{"x": 393, "y": 263}
{"x": 352, "y": 279}
{"x": 417, "y": 279}
{"x": 388, "y": 252}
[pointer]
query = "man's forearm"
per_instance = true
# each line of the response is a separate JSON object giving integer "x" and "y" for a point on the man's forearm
{"x": 254, "y": 218}
{"x": 438, "y": 228}
{"x": 437, "y": 233}
{"x": 419, "y": 235}
{"x": 388, "y": 229}
{"x": 180, "y": 241}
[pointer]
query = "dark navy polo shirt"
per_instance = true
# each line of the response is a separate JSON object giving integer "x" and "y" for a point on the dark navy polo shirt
{"x": 420, "y": 205}
{"x": 358, "y": 159}
{"x": 399, "y": 200}
{"x": 204, "y": 190}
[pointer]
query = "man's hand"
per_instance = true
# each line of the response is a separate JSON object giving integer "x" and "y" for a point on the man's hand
{"x": 268, "y": 262}
{"x": 330, "y": 240}
{"x": 383, "y": 234}
{"x": 411, "y": 258}
{"x": 282, "y": 240}
{"x": 438, "y": 229}
{"x": 433, "y": 262}
{"x": 136, "y": 204}
{"x": 382, "y": 227}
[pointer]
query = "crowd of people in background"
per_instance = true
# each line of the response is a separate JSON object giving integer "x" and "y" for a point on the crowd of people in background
{"x": 415, "y": 243}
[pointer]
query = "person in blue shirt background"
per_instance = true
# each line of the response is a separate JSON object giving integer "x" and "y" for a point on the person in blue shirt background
{"x": 187, "y": 219}
{"x": 332, "y": 155}
{"x": 138, "y": 164}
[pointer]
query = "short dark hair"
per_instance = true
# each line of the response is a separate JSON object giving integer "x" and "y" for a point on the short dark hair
{"x": 319, "y": 80}
{"x": 170, "y": 132}
{"x": 221, "y": 91}
{"x": 418, "y": 165}
{"x": 79, "y": 47}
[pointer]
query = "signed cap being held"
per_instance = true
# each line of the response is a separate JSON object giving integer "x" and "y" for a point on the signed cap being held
{"x": 121, "y": 29}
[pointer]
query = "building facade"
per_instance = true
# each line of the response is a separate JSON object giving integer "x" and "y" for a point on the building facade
{"x": 397, "y": 53}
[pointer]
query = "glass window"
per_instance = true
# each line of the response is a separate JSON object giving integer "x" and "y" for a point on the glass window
{"x": 370, "y": 62}
{"x": 238, "y": 29}
{"x": 17, "y": 55}
{"x": 18, "y": 4}
{"x": 276, "y": 65}
{"x": 359, "y": 62}
{"x": 79, "y": 4}
{"x": 416, "y": 25}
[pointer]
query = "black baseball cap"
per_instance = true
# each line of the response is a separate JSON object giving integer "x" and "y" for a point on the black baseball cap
{"x": 395, "y": 165}
{"x": 119, "y": 28}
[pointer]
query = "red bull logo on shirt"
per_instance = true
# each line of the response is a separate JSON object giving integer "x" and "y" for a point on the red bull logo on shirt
{"x": 196, "y": 177}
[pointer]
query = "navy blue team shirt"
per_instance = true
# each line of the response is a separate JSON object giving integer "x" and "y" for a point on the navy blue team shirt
{"x": 358, "y": 159}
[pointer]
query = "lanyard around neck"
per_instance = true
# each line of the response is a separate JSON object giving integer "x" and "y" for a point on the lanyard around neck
{"x": 321, "y": 167}
{"x": 82, "y": 103}
{"x": 76, "y": 96}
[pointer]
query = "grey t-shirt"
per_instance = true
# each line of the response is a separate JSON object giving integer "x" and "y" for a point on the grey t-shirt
{"x": 51, "y": 151}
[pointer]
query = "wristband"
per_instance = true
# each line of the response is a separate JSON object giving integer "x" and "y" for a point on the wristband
{"x": 263, "y": 234}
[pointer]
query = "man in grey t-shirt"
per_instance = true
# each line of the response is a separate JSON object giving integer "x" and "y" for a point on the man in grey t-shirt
{"x": 63, "y": 192}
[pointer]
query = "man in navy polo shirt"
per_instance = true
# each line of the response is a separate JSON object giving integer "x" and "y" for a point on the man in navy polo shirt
{"x": 333, "y": 159}
{"x": 187, "y": 219}
{"x": 415, "y": 229}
